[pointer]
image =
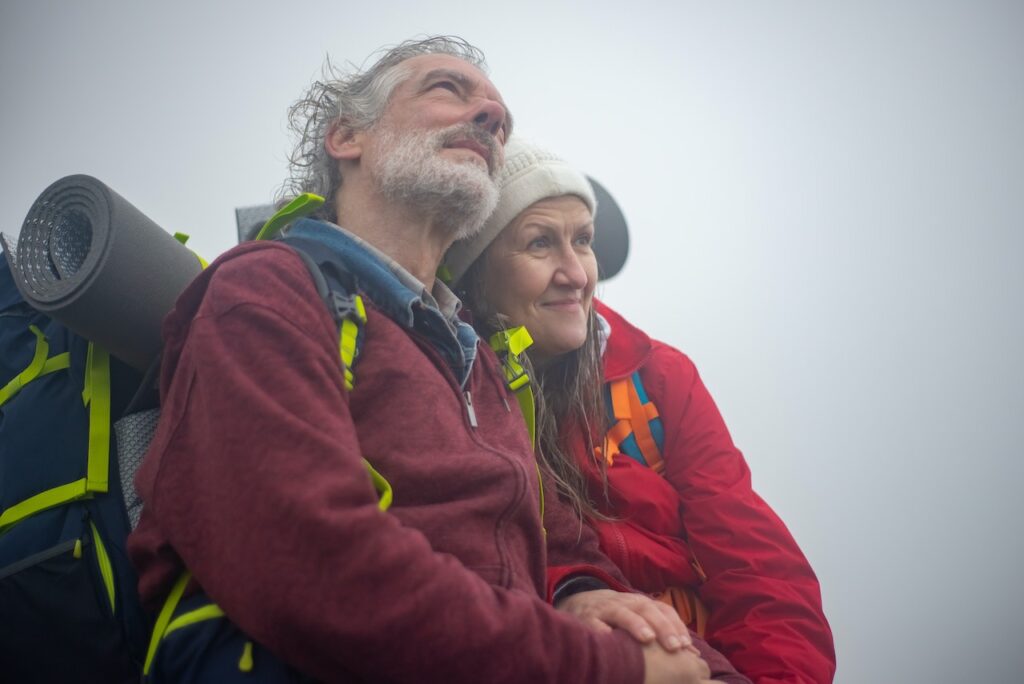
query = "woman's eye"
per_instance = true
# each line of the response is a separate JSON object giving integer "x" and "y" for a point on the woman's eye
{"x": 539, "y": 243}
{"x": 585, "y": 240}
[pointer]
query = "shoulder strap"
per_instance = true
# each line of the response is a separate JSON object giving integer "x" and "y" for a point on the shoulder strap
{"x": 508, "y": 345}
{"x": 334, "y": 282}
{"x": 338, "y": 288}
{"x": 636, "y": 428}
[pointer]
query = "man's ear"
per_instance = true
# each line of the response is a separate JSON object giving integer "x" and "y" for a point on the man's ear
{"x": 341, "y": 142}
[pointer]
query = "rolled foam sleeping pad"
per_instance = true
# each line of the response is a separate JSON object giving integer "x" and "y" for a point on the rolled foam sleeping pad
{"x": 89, "y": 259}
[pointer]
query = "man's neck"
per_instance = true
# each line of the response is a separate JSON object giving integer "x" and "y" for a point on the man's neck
{"x": 413, "y": 239}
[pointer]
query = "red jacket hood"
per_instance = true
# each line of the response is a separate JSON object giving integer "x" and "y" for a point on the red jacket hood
{"x": 627, "y": 347}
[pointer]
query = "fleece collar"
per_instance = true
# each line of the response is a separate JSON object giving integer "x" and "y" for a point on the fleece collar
{"x": 399, "y": 295}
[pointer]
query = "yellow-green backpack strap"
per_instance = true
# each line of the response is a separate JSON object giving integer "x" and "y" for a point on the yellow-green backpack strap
{"x": 96, "y": 396}
{"x": 164, "y": 618}
{"x": 210, "y": 611}
{"x": 444, "y": 274}
{"x": 183, "y": 238}
{"x": 303, "y": 205}
{"x": 348, "y": 338}
{"x": 383, "y": 487}
{"x": 509, "y": 345}
{"x": 40, "y": 365}
{"x": 165, "y": 625}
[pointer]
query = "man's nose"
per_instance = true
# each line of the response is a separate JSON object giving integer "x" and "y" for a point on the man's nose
{"x": 490, "y": 116}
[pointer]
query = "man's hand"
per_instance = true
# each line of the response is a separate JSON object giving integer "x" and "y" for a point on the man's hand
{"x": 679, "y": 667}
{"x": 642, "y": 617}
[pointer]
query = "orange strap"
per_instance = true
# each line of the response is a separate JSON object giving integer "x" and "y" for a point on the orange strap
{"x": 620, "y": 398}
{"x": 690, "y": 608}
{"x": 642, "y": 431}
{"x": 625, "y": 405}
{"x": 613, "y": 439}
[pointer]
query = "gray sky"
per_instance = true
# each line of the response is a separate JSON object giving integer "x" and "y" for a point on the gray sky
{"x": 826, "y": 203}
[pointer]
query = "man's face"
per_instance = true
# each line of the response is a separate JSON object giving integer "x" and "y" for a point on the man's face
{"x": 440, "y": 143}
{"x": 442, "y": 92}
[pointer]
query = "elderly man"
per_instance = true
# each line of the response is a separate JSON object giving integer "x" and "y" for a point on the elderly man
{"x": 255, "y": 480}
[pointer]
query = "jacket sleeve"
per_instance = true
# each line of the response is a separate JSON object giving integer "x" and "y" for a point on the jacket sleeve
{"x": 255, "y": 478}
{"x": 573, "y": 548}
{"x": 763, "y": 597}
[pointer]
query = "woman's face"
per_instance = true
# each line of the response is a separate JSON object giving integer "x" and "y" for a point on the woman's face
{"x": 541, "y": 272}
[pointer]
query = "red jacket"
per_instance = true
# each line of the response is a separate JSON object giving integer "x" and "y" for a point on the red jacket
{"x": 764, "y": 599}
{"x": 254, "y": 481}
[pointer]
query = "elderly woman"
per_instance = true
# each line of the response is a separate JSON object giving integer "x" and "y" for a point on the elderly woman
{"x": 633, "y": 436}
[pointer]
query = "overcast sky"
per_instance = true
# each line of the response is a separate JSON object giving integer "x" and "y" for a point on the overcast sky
{"x": 826, "y": 204}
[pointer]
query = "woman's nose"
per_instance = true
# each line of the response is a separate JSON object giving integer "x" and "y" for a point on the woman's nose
{"x": 570, "y": 271}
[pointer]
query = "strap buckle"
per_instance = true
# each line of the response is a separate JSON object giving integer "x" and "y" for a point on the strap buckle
{"x": 348, "y": 306}
{"x": 509, "y": 345}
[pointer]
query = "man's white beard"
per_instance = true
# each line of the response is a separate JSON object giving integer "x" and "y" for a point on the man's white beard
{"x": 459, "y": 196}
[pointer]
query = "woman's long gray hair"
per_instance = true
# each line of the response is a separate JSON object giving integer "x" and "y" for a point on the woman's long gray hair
{"x": 356, "y": 100}
{"x": 570, "y": 396}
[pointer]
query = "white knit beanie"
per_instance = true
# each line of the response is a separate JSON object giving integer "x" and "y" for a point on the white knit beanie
{"x": 529, "y": 175}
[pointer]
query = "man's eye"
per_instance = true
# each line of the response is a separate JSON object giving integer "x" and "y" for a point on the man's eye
{"x": 447, "y": 85}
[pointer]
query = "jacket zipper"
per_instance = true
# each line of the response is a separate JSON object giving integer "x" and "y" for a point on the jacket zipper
{"x": 427, "y": 348}
{"x": 520, "y": 475}
{"x": 469, "y": 408}
{"x": 620, "y": 543}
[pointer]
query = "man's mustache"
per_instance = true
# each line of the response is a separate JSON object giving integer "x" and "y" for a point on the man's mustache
{"x": 467, "y": 131}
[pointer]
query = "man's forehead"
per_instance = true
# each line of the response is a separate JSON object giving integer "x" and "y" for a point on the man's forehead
{"x": 425, "y": 67}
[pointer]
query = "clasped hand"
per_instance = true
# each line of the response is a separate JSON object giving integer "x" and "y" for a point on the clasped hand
{"x": 669, "y": 653}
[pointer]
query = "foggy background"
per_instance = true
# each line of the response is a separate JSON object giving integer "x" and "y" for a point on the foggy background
{"x": 825, "y": 202}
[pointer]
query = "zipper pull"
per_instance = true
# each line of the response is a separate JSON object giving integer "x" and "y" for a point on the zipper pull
{"x": 469, "y": 408}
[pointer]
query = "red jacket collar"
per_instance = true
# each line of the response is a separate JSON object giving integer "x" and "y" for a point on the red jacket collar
{"x": 627, "y": 348}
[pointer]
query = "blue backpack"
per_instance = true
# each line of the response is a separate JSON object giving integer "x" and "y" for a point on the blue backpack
{"x": 74, "y": 425}
{"x": 67, "y": 591}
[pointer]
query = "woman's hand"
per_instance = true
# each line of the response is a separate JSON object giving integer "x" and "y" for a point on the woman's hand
{"x": 679, "y": 667}
{"x": 641, "y": 616}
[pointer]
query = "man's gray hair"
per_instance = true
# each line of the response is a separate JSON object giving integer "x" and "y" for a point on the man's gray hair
{"x": 356, "y": 100}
